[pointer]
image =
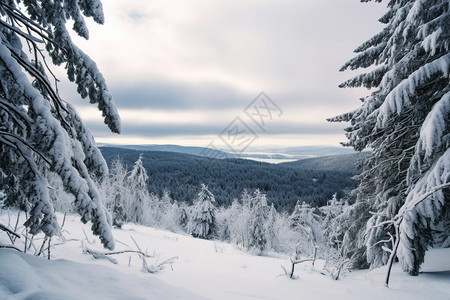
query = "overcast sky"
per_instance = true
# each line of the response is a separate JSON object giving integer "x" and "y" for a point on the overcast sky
{"x": 184, "y": 72}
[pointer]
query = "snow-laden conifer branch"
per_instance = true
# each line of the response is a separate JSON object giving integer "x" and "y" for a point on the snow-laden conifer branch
{"x": 37, "y": 126}
{"x": 405, "y": 122}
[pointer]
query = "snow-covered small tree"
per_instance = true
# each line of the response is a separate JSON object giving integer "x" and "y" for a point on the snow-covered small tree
{"x": 137, "y": 183}
{"x": 202, "y": 223}
{"x": 406, "y": 122}
{"x": 183, "y": 217}
{"x": 270, "y": 227}
{"x": 239, "y": 223}
{"x": 39, "y": 131}
{"x": 222, "y": 223}
{"x": 336, "y": 260}
{"x": 258, "y": 219}
{"x": 329, "y": 225}
{"x": 241, "y": 218}
{"x": 150, "y": 214}
{"x": 116, "y": 192}
{"x": 303, "y": 216}
{"x": 169, "y": 212}
{"x": 307, "y": 225}
{"x": 118, "y": 212}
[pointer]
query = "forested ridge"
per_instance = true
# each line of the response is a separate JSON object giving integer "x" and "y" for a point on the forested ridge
{"x": 284, "y": 184}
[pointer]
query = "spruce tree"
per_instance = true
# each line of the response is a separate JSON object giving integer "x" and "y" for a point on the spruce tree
{"x": 258, "y": 218}
{"x": 137, "y": 183}
{"x": 303, "y": 218}
{"x": 405, "y": 123}
{"x": 271, "y": 220}
{"x": 329, "y": 225}
{"x": 118, "y": 213}
{"x": 203, "y": 220}
{"x": 115, "y": 189}
{"x": 39, "y": 131}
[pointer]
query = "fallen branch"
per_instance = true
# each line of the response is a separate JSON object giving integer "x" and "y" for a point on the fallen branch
{"x": 155, "y": 267}
{"x": 117, "y": 252}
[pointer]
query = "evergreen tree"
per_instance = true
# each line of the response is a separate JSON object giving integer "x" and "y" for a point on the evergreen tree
{"x": 222, "y": 223}
{"x": 118, "y": 212}
{"x": 169, "y": 210}
{"x": 38, "y": 130}
{"x": 258, "y": 218}
{"x": 330, "y": 227}
{"x": 116, "y": 192}
{"x": 271, "y": 221}
{"x": 203, "y": 219}
{"x": 303, "y": 218}
{"x": 137, "y": 183}
{"x": 306, "y": 224}
{"x": 405, "y": 121}
{"x": 239, "y": 221}
{"x": 183, "y": 218}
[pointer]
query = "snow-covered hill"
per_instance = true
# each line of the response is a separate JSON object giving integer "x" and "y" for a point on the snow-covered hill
{"x": 199, "y": 269}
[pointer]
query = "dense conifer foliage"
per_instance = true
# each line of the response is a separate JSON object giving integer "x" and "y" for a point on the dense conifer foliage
{"x": 40, "y": 133}
{"x": 405, "y": 121}
{"x": 283, "y": 184}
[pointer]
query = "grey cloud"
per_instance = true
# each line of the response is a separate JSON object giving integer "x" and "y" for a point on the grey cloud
{"x": 216, "y": 129}
{"x": 298, "y": 46}
{"x": 176, "y": 95}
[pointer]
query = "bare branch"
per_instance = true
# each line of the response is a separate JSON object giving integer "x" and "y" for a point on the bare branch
{"x": 4, "y": 228}
{"x": 10, "y": 247}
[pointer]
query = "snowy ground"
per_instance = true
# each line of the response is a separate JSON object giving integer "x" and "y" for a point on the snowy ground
{"x": 202, "y": 269}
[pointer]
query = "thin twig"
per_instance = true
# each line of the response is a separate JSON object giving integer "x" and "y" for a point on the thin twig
{"x": 10, "y": 247}
{"x": 4, "y": 228}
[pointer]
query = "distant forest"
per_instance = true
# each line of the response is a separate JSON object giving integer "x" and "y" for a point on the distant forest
{"x": 284, "y": 184}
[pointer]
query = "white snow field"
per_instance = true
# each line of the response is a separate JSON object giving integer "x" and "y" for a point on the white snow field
{"x": 201, "y": 269}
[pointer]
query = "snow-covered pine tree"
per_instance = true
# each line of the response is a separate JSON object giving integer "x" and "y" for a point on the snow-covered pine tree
{"x": 137, "y": 183}
{"x": 203, "y": 220}
{"x": 169, "y": 212}
{"x": 118, "y": 212}
{"x": 183, "y": 218}
{"x": 269, "y": 226}
{"x": 116, "y": 192}
{"x": 238, "y": 222}
{"x": 222, "y": 231}
{"x": 329, "y": 225}
{"x": 38, "y": 130}
{"x": 303, "y": 216}
{"x": 405, "y": 121}
{"x": 306, "y": 224}
{"x": 258, "y": 218}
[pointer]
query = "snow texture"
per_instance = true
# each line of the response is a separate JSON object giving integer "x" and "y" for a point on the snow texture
{"x": 204, "y": 269}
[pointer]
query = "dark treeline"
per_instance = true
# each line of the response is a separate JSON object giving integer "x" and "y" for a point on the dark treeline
{"x": 181, "y": 174}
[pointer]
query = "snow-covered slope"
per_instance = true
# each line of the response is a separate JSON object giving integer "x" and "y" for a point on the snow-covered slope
{"x": 24, "y": 276}
{"x": 200, "y": 269}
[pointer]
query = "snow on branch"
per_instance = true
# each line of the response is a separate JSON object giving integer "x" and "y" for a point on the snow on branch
{"x": 399, "y": 97}
{"x": 434, "y": 127}
{"x": 4, "y": 228}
